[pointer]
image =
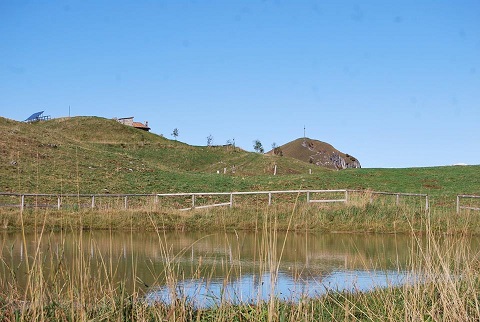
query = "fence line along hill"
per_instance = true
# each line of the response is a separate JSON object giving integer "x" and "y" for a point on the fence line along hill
{"x": 95, "y": 155}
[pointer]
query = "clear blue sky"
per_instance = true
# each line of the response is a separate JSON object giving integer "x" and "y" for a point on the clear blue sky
{"x": 393, "y": 83}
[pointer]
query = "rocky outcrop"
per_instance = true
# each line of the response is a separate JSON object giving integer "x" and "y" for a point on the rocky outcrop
{"x": 343, "y": 163}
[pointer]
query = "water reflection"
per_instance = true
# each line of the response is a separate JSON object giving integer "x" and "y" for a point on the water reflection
{"x": 206, "y": 267}
{"x": 252, "y": 289}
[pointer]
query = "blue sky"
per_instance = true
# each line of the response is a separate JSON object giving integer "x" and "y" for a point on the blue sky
{"x": 393, "y": 83}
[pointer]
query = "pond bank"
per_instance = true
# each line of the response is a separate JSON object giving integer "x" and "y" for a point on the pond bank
{"x": 364, "y": 218}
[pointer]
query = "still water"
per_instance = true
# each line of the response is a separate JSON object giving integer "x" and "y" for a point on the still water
{"x": 207, "y": 268}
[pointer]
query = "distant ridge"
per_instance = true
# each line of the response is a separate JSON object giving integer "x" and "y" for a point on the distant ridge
{"x": 316, "y": 152}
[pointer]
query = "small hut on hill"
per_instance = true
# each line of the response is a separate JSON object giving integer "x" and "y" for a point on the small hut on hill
{"x": 129, "y": 121}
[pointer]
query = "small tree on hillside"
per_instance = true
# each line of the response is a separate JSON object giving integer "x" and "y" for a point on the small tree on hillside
{"x": 175, "y": 133}
{"x": 257, "y": 146}
{"x": 209, "y": 140}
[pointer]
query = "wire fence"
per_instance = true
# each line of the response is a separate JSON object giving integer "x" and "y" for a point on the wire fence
{"x": 200, "y": 200}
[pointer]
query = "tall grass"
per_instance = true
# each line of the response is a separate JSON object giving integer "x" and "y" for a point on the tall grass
{"x": 443, "y": 283}
{"x": 362, "y": 214}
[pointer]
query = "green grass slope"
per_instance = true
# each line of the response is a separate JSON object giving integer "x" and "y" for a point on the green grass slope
{"x": 97, "y": 155}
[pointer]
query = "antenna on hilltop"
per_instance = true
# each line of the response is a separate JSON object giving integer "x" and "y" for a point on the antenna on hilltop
{"x": 304, "y": 136}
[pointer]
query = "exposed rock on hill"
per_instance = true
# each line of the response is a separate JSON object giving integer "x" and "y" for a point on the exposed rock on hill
{"x": 316, "y": 152}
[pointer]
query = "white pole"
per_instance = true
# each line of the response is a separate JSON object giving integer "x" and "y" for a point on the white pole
{"x": 275, "y": 170}
{"x": 458, "y": 204}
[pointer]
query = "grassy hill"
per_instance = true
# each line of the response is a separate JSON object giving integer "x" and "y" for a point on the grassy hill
{"x": 316, "y": 153}
{"x": 93, "y": 155}
{"x": 97, "y": 155}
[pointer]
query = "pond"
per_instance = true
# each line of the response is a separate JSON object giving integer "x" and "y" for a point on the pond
{"x": 208, "y": 268}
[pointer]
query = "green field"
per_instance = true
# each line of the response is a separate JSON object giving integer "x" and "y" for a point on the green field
{"x": 97, "y": 155}
{"x": 91, "y": 155}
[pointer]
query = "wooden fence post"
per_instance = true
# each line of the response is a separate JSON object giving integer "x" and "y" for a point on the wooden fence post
{"x": 22, "y": 202}
{"x": 269, "y": 198}
{"x": 126, "y": 202}
{"x": 397, "y": 202}
{"x": 193, "y": 200}
{"x": 346, "y": 196}
{"x": 427, "y": 204}
{"x": 59, "y": 204}
{"x": 458, "y": 204}
{"x": 308, "y": 196}
{"x": 93, "y": 201}
{"x": 231, "y": 200}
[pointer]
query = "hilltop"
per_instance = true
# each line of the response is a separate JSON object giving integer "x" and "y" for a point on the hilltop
{"x": 316, "y": 152}
{"x": 93, "y": 154}
{"x": 98, "y": 155}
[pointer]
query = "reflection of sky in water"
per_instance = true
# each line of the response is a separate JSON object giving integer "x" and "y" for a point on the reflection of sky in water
{"x": 251, "y": 288}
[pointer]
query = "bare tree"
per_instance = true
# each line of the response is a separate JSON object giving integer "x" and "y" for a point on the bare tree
{"x": 209, "y": 140}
